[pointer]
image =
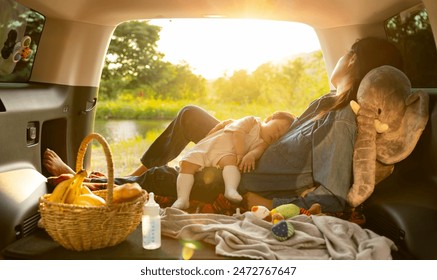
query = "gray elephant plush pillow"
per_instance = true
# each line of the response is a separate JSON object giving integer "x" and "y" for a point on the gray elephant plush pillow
{"x": 390, "y": 120}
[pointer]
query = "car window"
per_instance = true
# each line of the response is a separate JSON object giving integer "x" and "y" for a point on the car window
{"x": 20, "y": 30}
{"x": 411, "y": 32}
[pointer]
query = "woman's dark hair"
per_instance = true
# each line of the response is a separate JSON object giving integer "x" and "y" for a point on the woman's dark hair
{"x": 371, "y": 52}
{"x": 374, "y": 52}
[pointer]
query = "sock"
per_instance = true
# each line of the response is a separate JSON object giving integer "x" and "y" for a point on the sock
{"x": 184, "y": 184}
{"x": 231, "y": 177}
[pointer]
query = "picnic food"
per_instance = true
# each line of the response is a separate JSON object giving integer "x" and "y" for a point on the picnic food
{"x": 67, "y": 190}
{"x": 89, "y": 199}
{"x": 126, "y": 192}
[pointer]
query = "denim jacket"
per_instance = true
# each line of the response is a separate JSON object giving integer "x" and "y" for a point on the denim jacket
{"x": 313, "y": 152}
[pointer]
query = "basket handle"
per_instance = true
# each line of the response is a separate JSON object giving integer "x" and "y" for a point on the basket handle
{"x": 110, "y": 164}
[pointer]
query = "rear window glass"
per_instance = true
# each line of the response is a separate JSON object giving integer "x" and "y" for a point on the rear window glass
{"x": 20, "y": 31}
{"x": 411, "y": 32}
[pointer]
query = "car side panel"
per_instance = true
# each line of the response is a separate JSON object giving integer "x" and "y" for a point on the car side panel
{"x": 34, "y": 117}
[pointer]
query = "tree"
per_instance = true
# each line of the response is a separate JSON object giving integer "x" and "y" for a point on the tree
{"x": 270, "y": 83}
{"x": 239, "y": 88}
{"x": 413, "y": 36}
{"x": 133, "y": 63}
{"x": 179, "y": 82}
{"x": 132, "y": 59}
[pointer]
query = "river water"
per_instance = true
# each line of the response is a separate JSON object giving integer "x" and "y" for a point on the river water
{"x": 118, "y": 130}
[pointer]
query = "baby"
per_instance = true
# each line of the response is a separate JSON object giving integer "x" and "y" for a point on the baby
{"x": 233, "y": 146}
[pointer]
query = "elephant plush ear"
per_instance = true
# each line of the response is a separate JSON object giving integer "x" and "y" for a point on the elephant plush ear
{"x": 394, "y": 146}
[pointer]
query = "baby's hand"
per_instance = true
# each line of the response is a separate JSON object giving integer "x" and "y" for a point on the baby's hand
{"x": 239, "y": 159}
{"x": 247, "y": 163}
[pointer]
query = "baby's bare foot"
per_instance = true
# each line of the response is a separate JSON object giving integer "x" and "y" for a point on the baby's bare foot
{"x": 54, "y": 164}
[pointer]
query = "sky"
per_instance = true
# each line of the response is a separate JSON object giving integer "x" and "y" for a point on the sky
{"x": 213, "y": 47}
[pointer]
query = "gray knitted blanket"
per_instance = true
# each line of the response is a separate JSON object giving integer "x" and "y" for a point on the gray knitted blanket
{"x": 246, "y": 236}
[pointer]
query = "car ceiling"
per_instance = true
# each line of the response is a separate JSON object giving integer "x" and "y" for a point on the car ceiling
{"x": 76, "y": 24}
{"x": 319, "y": 14}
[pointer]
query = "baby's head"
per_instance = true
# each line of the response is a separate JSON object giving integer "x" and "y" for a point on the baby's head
{"x": 275, "y": 126}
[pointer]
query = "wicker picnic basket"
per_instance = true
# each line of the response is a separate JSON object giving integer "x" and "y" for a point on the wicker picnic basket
{"x": 81, "y": 228}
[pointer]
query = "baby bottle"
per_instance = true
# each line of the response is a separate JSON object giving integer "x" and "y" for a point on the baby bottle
{"x": 151, "y": 224}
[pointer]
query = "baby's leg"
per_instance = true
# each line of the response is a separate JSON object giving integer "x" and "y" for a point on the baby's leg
{"x": 231, "y": 177}
{"x": 184, "y": 184}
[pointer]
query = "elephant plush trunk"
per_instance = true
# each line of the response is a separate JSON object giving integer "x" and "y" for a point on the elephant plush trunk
{"x": 364, "y": 161}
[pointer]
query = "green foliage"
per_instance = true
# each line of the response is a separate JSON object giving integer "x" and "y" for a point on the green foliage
{"x": 132, "y": 55}
{"x": 413, "y": 36}
{"x": 179, "y": 82}
{"x": 132, "y": 62}
{"x": 128, "y": 106}
{"x": 295, "y": 83}
{"x": 240, "y": 87}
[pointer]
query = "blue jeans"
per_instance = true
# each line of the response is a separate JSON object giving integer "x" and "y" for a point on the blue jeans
{"x": 190, "y": 125}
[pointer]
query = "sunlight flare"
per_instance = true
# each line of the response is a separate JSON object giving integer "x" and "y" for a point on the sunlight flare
{"x": 213, "y": 47}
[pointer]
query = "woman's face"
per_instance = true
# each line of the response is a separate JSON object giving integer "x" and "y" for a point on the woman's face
{"x": 342, "y": 69}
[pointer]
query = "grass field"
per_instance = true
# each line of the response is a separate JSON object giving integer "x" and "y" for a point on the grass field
{"x": 126, "y": 155}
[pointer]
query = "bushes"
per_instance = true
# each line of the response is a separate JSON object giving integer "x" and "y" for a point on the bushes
{"x": 150, "y": 109}
{"x": 138, "y": 108}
